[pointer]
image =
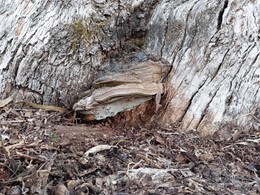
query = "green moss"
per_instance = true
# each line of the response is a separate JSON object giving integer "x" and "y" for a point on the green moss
{"x": 82, "y": 32}
{"x": 79, "y": 34}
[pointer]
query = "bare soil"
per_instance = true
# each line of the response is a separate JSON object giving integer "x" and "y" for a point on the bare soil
{"x": 48, "y": 153}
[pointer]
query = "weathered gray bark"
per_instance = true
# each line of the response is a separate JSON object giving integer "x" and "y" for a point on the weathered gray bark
{"x": 214, "y": 48}
{"x": 52, "y": 52}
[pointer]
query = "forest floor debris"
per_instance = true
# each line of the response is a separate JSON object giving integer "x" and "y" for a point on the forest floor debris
{"x": 44, "y": 153}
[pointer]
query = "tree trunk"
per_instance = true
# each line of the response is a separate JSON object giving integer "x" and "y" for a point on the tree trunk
{"x": 52, "y": 52}
{"x": 214, "y": 48}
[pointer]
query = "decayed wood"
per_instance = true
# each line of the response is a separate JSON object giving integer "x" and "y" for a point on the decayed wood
{"x": 126, "y": 90}
{"x": 122, "y": 91}
{"x": 143, "y": 72}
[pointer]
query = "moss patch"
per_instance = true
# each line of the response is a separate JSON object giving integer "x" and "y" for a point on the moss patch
{"x": 82, "y": 32}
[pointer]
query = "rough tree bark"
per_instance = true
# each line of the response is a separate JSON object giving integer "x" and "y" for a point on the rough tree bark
{"x": 51, "y": 52}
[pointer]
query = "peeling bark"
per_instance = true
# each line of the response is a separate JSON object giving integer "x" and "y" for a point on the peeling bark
{"x": 51, "y": 52}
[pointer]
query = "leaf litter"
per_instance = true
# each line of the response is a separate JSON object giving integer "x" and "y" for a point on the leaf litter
{"x": 42, "y": 152}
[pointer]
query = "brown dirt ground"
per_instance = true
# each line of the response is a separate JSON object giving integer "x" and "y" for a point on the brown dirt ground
{"x": 44, "y": 153}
